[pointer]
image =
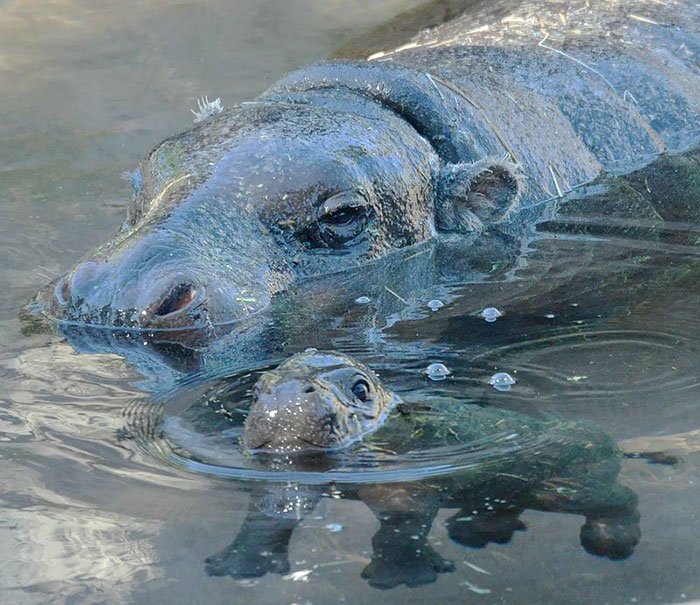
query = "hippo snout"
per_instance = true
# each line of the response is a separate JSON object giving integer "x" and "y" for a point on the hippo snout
{"x": 91, "y": 292}
{"x": 100, "y": 292}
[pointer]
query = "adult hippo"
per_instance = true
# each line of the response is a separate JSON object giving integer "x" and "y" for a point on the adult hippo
{"x": 475, "y": 122}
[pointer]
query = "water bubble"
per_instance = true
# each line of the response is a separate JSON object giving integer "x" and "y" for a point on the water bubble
{"x": 363, "y": 300}
{"x": 490, "y": 314}
{"x": 435, "y": 304}
{"x": 502, "y": 381}
{"x": 437, "y": 371}
{"x": 550, "y": 316}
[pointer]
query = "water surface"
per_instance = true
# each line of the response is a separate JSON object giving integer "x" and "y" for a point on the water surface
{"x": 598, "y": 325}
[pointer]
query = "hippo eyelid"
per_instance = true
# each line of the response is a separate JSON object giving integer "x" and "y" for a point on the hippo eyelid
{"x": 341, "y": 200}
{"x": 361, "y": 377}
{"x": 343, "y": 210}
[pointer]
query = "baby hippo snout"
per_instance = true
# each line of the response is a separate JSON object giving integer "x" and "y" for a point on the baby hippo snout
{"x": 291, "y": 416}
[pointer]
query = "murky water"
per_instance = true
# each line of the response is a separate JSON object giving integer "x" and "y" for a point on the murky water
{"x": 599, "y": 322}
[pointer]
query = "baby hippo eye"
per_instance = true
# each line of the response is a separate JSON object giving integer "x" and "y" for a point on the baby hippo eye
{"x": 342, "y": 218}
{"x": 361, "y": 390}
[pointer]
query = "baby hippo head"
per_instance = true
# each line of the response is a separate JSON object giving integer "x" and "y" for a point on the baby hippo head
{"x": 314, "y": 401}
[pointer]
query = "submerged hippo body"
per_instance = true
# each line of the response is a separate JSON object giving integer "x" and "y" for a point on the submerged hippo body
{"x": 318, "y": 411}
{"x": 477, "y": 122}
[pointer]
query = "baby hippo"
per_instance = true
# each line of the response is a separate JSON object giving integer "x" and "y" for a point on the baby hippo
{"x": 323, "y": 411}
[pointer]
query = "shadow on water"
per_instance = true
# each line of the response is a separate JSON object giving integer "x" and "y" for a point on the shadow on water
{"x": 122, "y": 479}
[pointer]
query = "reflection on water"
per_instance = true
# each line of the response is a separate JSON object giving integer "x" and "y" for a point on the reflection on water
{"x": 599, "y": 323}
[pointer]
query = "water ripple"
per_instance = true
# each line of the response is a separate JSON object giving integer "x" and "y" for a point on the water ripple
{"x": 194, "y": 431}
{"x": 595, "y": 363}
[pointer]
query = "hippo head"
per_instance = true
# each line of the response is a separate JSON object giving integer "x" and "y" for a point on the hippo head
{"x": 298, "y": 184}
{"x": 314, "y": 401}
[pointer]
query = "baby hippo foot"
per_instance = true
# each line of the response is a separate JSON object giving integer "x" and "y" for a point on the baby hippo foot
{"x": 476, "y": 530}
{"x": 242, "y": 561}
{"x": 611, "y": 537}
{"x": 412, "y": 567}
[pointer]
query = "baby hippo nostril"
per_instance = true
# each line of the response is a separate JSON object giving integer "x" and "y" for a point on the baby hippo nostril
{"x": 180, "y": 297}
{"x": 310, "y": 389}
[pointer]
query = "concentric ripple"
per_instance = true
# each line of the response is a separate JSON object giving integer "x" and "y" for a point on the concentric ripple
{"x": 198, "y": 428}
{"x": 603, "y": 363}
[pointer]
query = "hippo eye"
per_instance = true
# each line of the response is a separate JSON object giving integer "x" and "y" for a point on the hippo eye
{"x": 342, "y": 218}
{"x": 361, "y": 390}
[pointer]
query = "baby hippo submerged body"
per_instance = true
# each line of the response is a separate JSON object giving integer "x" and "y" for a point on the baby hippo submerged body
{"x": 328, "y": 401}
{"x": 322, "y": 410}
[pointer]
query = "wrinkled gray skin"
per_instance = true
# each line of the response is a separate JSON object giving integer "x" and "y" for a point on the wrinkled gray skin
{"x": 342, "y": 163}
{"x": 302, "y": 418}
{"x": 643, "y": 204}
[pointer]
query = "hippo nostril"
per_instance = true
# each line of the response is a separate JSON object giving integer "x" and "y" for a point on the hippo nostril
{"x": 62, "y": 291}
{"x": 310, "y": 389}
{"x": 180, "y": 297}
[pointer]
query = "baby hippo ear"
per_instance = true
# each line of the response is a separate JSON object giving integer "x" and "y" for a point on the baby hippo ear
{"x": 470, "y": 197}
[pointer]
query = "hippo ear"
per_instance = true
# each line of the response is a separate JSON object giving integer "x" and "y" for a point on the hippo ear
{"x": 470, "y": 197}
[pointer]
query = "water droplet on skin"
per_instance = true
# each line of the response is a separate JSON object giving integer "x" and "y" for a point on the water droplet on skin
{"x": 437, "y": 371}
{"x": 435, "y": 304}
{"x": 363, "y": 300}
{"x": 502, "y": 381}
{"x": 334, "y": 528}
{"x": 490, "y": 314}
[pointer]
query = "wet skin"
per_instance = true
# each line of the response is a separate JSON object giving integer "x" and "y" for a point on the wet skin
{"x": 645, "y": 204}
{"x": 317, "y": 408}
{"x": 344, "y": 163}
